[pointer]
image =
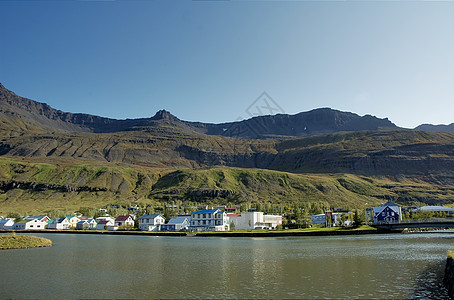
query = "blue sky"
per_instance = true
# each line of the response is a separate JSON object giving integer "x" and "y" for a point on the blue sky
{"x": 209, "y": 60}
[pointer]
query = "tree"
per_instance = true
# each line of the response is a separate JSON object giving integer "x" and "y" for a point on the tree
{"x": 358, "y": 218}
{"x": 232, "y": 226}
{"x": 166, "y": 214}
{"x": 17, "y": 217}
{"x": 298, "y": 217}
{"x": 343, "y": 219}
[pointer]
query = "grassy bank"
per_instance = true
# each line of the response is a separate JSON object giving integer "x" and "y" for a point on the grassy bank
{"x": 22, "y": 241}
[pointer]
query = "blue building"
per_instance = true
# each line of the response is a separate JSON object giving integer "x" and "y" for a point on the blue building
{"x": 177, "y": 224}
{"x": 389, "y": 212}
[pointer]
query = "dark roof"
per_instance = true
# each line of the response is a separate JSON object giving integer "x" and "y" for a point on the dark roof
{"x": 122, "y": 218}
{"x": 149, "y": 216}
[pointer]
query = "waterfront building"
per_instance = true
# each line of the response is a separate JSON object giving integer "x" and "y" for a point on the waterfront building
{"x": 125, "y": 221}
{"x": 388, "y": 212}
{"x": 33, "y": 224}
{"x": 59, "y": 223}
{"x": 209, "y": 220}
{"x": 254, "y": 220}
{"x": 85, "y": 224}
{"x": 177, "y": 224}
{"x": 73, "y": 220}
{"x": 104, "y": 224}
{"x": 151, "y": 222}
{"x": 437, "y": 209}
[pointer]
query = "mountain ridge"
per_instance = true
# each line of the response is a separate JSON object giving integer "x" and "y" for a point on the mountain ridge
{"x": 316, "y": 121}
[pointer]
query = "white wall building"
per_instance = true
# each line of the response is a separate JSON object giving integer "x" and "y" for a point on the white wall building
{"x": 254, "y": 220}
{"x": 33, "y": 224}
{"x": 209, "y": 220}
{"x": 151, "y": 222}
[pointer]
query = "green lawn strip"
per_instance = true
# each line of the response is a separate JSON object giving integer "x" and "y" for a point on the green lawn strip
{"x": 301, "y": 230}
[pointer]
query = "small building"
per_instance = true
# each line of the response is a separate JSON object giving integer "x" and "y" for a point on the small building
{"x": 126, "y": 221}
{"x": 328, "y": 219}
{"x": 33, "y": 224}
{"x": 6, "y": 224}
{"x": 151, "y": 222}
{"x": 387, "y": 213}
{"x": 73, "y": 220}
{"x": 177, "y": 224}
{"x": 59, "y": 223}
{"x": 103, "y": 224}
{"x": 85, "y": 224}
{"x": 209, "y": 220}
{"x": 437, "y": 209}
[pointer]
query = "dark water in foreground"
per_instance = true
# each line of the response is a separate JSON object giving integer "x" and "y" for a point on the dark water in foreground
{"x": 92, "y": 266}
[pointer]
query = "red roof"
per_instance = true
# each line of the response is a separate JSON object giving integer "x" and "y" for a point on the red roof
{"x": 233, "y": 215}
{"x": 122, "y": 218}
{"x": 103, "y": 222}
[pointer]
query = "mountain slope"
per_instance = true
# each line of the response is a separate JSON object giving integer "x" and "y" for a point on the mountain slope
{"x": 30, "y": 187}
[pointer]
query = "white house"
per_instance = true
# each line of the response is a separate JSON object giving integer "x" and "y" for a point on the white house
{"x": 104, "y": 224}
{"x": 7, "y": 223}
{"x": 125, "y": 221}
{"x": 85, "y": 224}
{"x": 209, "y": 220}
{"x": 254, "y": 220}
{"x": 177, "y": 224}
{"x": 59, "y": 223}
{"x": 34, "y": 224}
{"x": 151, "y": 222}
{"x": 73, "y": 220}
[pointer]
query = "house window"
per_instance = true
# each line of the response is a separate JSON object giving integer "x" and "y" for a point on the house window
{"x": 392, "y": 214}
{"x": 383, "y": 214}
{"x": 31, "y": 226}
{"x": 204, "y": 222}
{"x": 204, "y": 216}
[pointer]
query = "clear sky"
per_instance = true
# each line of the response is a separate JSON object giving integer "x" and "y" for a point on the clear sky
{"x": 209, "y": 60}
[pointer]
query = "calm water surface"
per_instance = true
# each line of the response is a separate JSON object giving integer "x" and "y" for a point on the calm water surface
{"x": 93, "y": 266}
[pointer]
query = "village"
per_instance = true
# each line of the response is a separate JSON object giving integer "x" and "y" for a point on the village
{"x": 219, "y": 219}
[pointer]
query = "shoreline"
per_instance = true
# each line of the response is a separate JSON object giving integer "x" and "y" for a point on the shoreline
{"x": 216, "y": 233}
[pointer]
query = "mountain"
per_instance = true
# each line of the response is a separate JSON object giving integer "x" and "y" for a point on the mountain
{"x": 21, "y": 114}
{"x": 50, "y": 158}
{"x": 440, "y": 128}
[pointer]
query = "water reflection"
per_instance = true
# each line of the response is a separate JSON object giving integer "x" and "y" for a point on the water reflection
{"x": 90, "y": 266}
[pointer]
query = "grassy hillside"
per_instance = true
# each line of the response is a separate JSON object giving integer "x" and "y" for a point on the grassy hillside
{"x": 31, "y": 186}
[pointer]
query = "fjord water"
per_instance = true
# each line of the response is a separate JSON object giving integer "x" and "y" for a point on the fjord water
{"x": 95, "y": 266}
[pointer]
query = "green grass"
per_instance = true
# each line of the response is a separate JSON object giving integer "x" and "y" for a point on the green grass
{"x": 113, "y": 183}
{"x": 22, "y": 241}
{"x": 301, "y": 230}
